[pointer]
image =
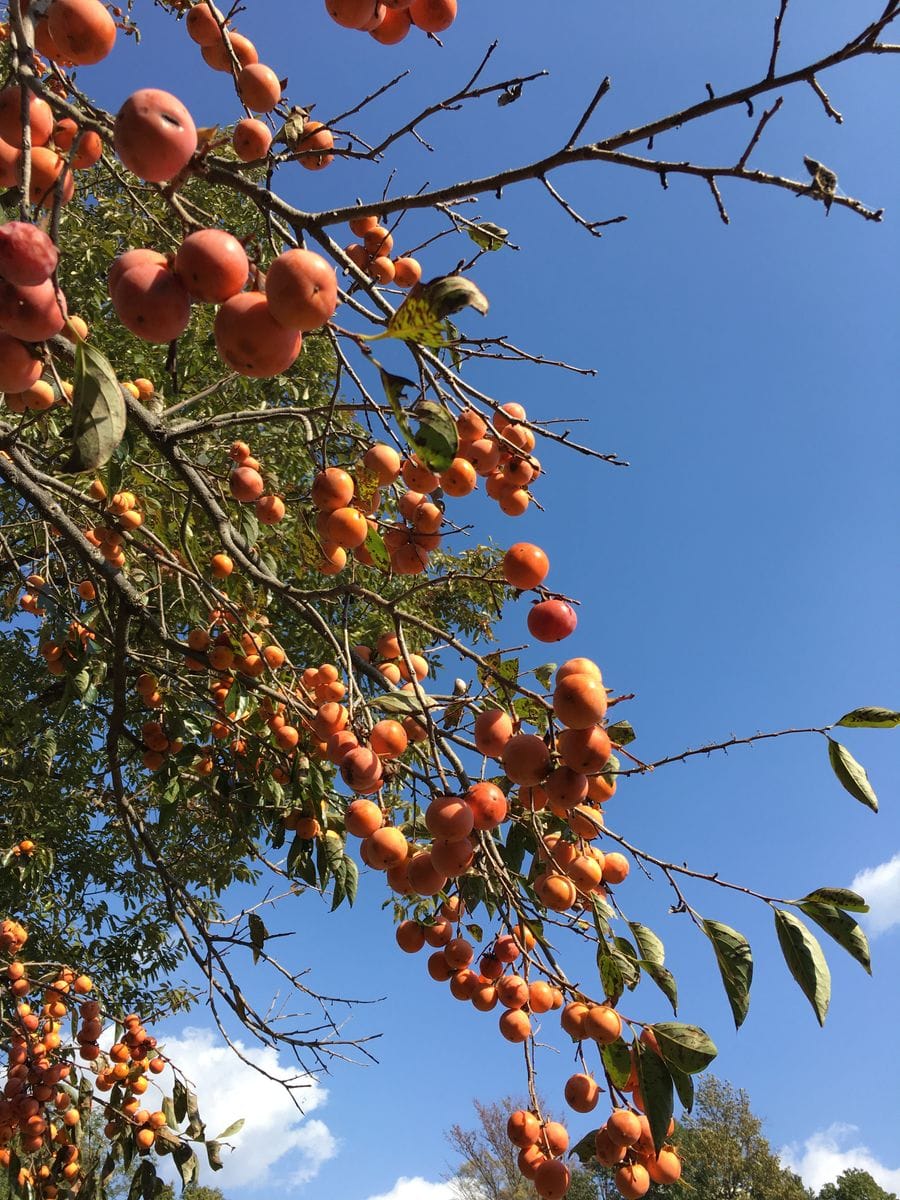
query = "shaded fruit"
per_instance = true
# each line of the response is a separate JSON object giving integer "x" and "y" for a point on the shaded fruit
{"x": 301, "y": 288}
{"x": 251, "y": 341}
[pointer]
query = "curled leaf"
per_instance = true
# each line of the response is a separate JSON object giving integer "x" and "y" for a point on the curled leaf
{"x": 805, "y": 961}
{"x": 845, "y": 931}
{"x": 487, "y": 235}
{"x": 436, "y": 440}
{"x": 422, "y": 317}
{"x": 98, "y": 411}
{"x": 840, "y": 897}
{"x": 735, "y": 966}
{"x": 851, "y": 775}
{"x": 870, "y": 718}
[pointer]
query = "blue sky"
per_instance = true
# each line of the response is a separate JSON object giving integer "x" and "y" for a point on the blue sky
{"x": 740, "y": 576}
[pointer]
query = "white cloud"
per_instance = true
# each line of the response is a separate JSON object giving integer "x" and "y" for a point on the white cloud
{"x": 829, "y": 1152}
{"x": 278, "y": 1145}
{"x": 881, "y": 887}
{"x": 417, "y": 1189}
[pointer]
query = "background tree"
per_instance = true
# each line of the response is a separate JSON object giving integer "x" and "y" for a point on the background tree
{"x": 729, "y": 1156}
{"x": 487, "y": 1167}
{"x": 854, "y": 1184}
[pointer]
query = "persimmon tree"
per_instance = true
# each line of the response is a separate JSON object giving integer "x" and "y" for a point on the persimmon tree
{"x": 245, "y": 639}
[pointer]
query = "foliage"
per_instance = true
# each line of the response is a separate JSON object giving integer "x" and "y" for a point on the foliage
{"x": 854, "y": 1184}
{"x": 725, "y": 1152}
{"x": 207, "y": 665}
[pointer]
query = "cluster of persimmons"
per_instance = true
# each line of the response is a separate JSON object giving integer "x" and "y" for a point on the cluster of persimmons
{"x": 42, "y": 1106}
{"x": 389, "y": 21}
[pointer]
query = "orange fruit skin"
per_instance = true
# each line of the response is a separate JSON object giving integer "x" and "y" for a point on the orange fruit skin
{"x": 201, "y": 25}
{"x": 525, "y": 566}
{"x": 251, "y": 139}
{"x": 551, "y": 620}
{"x": 526, "y": 759}
{"x": 665, "y": 1168}
{"x": 515, "y": 1025}
{"x": 251, "y": 341}
{"x": 154, "y": 136}
{"x": 216, "y": 56}
{"x": 40, "y": 118}
{"x": 580, "y": 701}
{"x": 212, "y": 264}
{"x": 633, "y": 1181}
{"x": 83, "y": 30}
{"x": 410, "y": 937}
{"x": 523, "y": 1128}
{"x": 258, "y": 87}
{"x": 301, "y": 288}
{"x": 433, "y": 16}
{"x": 582, "y": 1093}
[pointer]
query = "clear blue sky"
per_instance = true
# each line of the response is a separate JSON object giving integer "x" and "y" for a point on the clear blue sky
{"x": 741, "y": 575}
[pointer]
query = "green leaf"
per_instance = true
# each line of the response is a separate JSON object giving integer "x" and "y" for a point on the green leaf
{"x": 495, "y": 665}
{"x": 617, "y": 1061}
{"x": 258, "y": 934}
{"x": 45, "y": 750}
{"x": 351, "y": 880}
{"x": 621, "y": 733}
{"x": 657, "y": 1092}
{"x": 346, "y": 875}
{"x": 374, "y": 544}
{"x": 394, "y": 387}
{"x": 840, "y": 897}
{"x": 249, "y": 525}
{"x": 148, "y": 1179}
{"x": 648, "y": 943}
{"x": 196, "y": 1128}
{"x": 518, "y": 840}
{"x": 686, "y": 1047}
{"x": 684, "y": 1086}
{"x": 98, "y": 411}
{"x": 544, "y": 675}
{"x": 843, "y": 929}
{"x": 735, "y": 966}
{"x": 851, "y": 775}
{"x": 233, "y": 1128}
{"x": 179, "y": 1101}
{"x": 436, "y": 440}
{"x": 402, "y": 703}
{"x": 136, "y": 1188}
{"x": 870, "y": 718}
{"x": 664, "y": 980}
{"x": 487, "y": 235}
{"x": 805, "y": 961}
{"x": 611, "y": 976}
{"x": 81, "y": 681}
{"x": 586, "y": 1149}
{"x": 421, "y": 316}
{"x": 530, "y": 711}
{"x": 300, "y": 863}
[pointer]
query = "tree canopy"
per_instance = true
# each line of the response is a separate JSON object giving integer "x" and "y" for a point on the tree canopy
{"x": 250, "y": 621}
{"x": 854, "y": 1184}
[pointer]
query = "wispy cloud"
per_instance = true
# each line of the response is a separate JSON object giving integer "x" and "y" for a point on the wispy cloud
{"x": 881, "y": 887}
{"x": 829, "y": 1152}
